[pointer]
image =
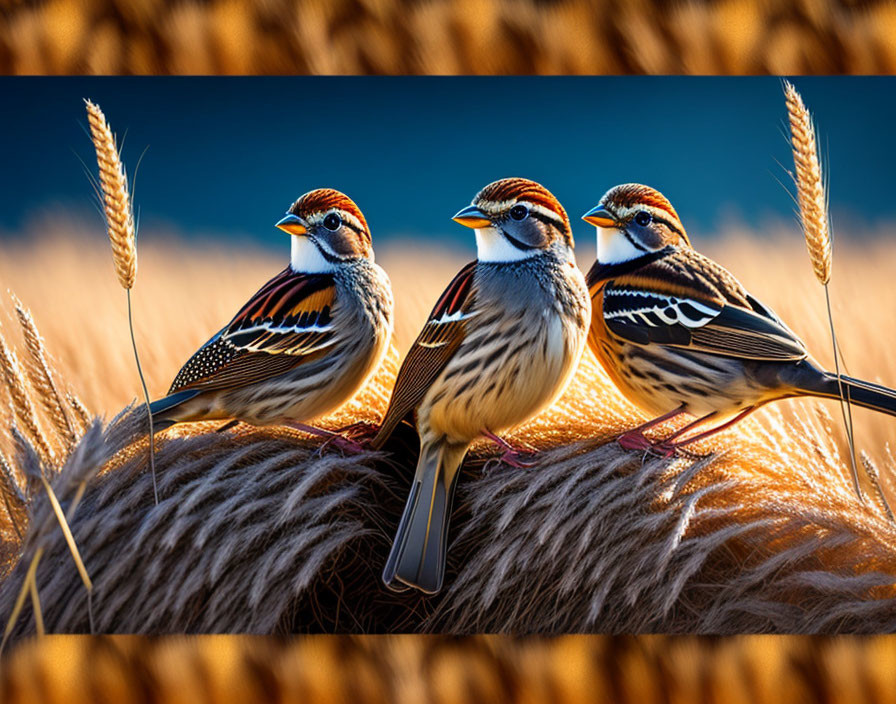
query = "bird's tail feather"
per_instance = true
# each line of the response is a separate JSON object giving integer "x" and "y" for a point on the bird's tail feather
{"x": 162, "y": 408}
{"x": 859, "y": 392}
{"x": 417, "y": 558}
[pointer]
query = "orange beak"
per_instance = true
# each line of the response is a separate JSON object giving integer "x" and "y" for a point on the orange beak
{"x": 599, "y": 217}
{"x": 471, "y": 216}
{"x": 292, "y": 225}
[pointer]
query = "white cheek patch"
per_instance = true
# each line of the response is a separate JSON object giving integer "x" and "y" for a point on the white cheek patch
{"x": 614, "y": 247}
{"x": 306, "y": 257}
{"x": 492, "y": 246}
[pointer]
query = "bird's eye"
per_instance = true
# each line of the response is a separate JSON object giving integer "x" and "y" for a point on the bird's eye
{"x": 643, "y": 218}
{"x": 519, "y": 212}
{"x": 332, "y": 222}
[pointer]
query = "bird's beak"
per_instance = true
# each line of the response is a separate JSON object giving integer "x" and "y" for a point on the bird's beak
{"x": 471, "y": 216}
{"x": 293, "y": 225}
{"x": 599, "y": 216}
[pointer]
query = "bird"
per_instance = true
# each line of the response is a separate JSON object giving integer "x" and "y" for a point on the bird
{"x": 679, "y": 334}
{"x": 306, "y": 341}
{"x": 500, "y": 344}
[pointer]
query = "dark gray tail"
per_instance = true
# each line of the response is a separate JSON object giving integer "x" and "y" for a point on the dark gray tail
{"x": 417, "y": 558}
{"x": 164, "y": 408}
{"x": 860, "y": 393}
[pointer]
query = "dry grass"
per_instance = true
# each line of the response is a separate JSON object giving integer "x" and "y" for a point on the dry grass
{"x": 766, "y": 536}
{"x": 448, "y": 37}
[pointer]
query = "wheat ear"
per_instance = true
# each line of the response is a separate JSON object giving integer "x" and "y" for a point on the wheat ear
{"x": 874, "y": 475}
{"x": 120, "y": 223}
{"x": 12, "y": 374}
{"x": 14, "y": 499}
{"x": 116, "y": 198}
{"x": 79, "y": 409}
{"x": 41, "y": 375}
{"x": 814, "y": 218}
{"x": 810, "y": 185}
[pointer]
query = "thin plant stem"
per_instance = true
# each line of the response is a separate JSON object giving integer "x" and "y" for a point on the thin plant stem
{"x": 845, "y": 407}
{"x": 152, "y": 445}
{"x": 35, "y": 606}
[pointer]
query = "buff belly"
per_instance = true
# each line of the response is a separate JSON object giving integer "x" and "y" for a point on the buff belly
{"x": 660, "y": 379}
{"x": 501, "y": 376}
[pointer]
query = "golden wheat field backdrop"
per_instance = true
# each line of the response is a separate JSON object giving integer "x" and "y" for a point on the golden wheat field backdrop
{"x": 447, "y": 37}
{"x": 765, "y": 533}
{"x": 187, "y": 292}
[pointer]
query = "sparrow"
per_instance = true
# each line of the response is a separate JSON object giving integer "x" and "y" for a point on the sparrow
{"x": 677, "y": 333}
{"x": 306, "y": 341}
{"x": 500, "y": 344}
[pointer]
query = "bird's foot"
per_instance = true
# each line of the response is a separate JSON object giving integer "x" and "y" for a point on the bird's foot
{"x": 634, "y": 440}
{"x": 345, "y": 443}
{"x": 517, "y": 459}
{"x": 352, "y": 439}
{"x": 667, "y": 450}
{"x": 361, "y": 432}
{"x": 512, "y": 456}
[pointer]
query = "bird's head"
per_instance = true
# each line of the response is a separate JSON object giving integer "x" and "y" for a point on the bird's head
{"x": 327, "y": 229}
{"x": 515, "y": 218}
{"x": 633, "y": 220}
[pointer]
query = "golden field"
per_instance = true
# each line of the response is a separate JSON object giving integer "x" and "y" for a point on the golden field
{"x": 185, "y": 293}
{"x": 762, "y": 534}
{"x": 447, "y": 37}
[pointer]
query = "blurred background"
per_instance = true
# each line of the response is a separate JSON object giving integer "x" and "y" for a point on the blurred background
{"x": 447, "y": 36}
{"x": 222, "y": 159}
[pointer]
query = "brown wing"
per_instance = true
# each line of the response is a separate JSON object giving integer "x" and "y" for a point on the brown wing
{"x": 686, "y": 300}
{"x": 438, "y": 341}
{"x": 285, "y": 324}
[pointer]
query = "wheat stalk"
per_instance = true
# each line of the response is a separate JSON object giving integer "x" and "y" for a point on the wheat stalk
{"x": 41, "y": 375}
{"x": 11, "y": 371}
{"x": 814, "y": 218}
{"x": 120, "y": 223}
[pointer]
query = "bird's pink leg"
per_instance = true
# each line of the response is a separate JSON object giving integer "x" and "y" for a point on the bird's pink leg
{"x": 346, "y": 444}
{"x": 512, "y": 456}
{"x": 669, "y": 447}
{"x": 635, "y": 439}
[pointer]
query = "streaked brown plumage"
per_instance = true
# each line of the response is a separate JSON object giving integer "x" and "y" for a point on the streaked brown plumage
{"x": 500, "y": 345}
{"x": 677, "y": 333}
{"x": 307, "y": 340}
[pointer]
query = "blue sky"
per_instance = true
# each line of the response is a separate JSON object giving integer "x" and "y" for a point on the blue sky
{"x": 229, "y": 155}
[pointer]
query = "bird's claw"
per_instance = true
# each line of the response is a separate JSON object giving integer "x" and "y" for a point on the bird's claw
{"x": 666, "y": 450}
{"x": 512, "y": 458}
{"x": 634, "y": 440}
{"x": 344, "y": 443}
